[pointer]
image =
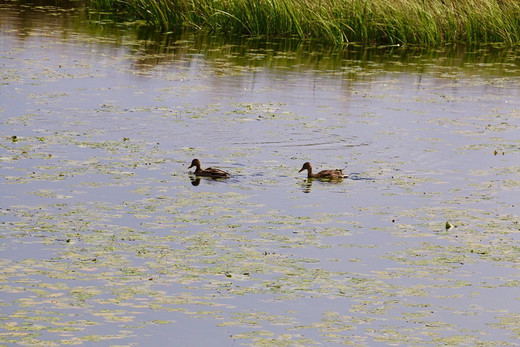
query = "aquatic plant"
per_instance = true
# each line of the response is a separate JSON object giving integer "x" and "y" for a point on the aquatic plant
{"x": 395, "y": 22}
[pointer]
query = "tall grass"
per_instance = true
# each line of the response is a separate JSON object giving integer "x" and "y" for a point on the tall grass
{"x": 336, "y": 21}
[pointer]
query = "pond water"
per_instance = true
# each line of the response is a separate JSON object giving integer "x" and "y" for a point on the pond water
{"x": 105, "y": 236}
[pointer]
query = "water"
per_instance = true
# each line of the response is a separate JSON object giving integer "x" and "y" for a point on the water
{"x": 105, "y": 239}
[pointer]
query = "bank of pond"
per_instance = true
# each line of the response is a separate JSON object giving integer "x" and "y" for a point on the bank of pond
{"x": 431, "y": 22}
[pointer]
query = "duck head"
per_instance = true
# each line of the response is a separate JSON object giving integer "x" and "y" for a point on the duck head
{"x": 195, "y": 162}
{"x": 306, "y": 166}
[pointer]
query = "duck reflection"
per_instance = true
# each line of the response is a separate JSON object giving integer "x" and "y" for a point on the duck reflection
{"x": 306, "y": 185}
{"x": 195, "y": 181}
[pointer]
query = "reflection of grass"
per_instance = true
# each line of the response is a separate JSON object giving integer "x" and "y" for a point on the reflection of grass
{"x": 397, "y": 21}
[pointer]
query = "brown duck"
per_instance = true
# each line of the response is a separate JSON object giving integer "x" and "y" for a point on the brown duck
{"x": 209, "y": 172}
{"x": 325, "y": 174}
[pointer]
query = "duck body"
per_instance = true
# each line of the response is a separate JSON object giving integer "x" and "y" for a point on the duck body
{"x": 336, "y": 174}
{"x": 209, "y": 172}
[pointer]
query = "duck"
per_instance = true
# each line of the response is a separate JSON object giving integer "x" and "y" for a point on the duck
{"x": 209, "y": 172}
{"x": 336, "y": 174}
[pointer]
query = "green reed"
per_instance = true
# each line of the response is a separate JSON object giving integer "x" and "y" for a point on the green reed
{"x": 335, "y": 21}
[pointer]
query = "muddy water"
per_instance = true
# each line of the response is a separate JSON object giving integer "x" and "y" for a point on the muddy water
{"x": 107, "y": 238}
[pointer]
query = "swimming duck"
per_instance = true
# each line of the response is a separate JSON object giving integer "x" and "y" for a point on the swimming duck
{"x": 209, "y": 172}
{"x": 325, "y": 174}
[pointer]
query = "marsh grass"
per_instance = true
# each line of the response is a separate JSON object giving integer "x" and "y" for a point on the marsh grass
{"x": 395, "y": 22}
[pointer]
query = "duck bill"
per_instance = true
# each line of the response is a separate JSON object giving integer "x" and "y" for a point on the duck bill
{"x": 302, "y": 169}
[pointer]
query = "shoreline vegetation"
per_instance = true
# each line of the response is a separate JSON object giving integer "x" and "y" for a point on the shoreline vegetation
{"x": 397, "y": 22}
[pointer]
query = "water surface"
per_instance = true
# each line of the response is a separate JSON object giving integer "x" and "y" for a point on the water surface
{"x": 105, "y": 238}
